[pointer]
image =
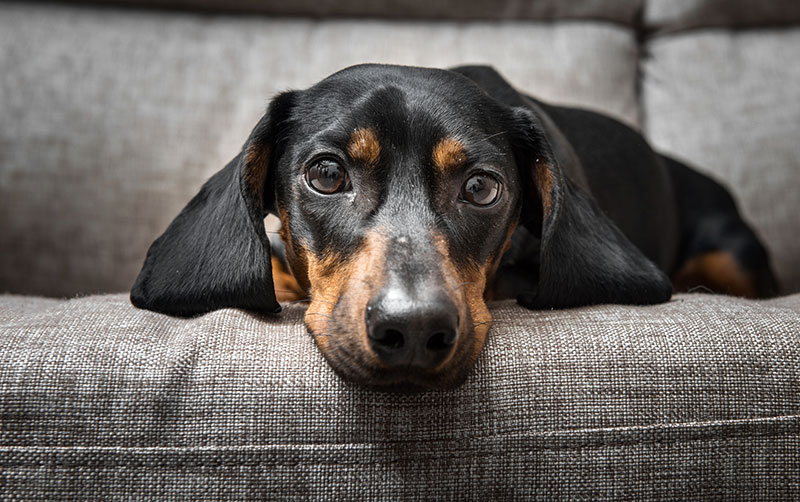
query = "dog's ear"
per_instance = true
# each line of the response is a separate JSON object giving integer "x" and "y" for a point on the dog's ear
{"x": 584, "y": 258}
{"x": 216, "y": 253}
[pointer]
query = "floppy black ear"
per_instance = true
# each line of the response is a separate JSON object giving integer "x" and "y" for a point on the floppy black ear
{"x": 584, "y": 258}
{"x": 215, "y": 253}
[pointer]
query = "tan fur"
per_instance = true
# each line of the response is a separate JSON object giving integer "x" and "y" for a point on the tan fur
{"x": 286, "y": 287}
{"x": 718, "y": 271}
{"x": 298, "y": 265}
{"x": 449, "y": 154}
{"x": 364, "y": 147}
{"x": 470, "y": 283}
{"x": 348, "y": 284}
{"x": 340, "y": 289}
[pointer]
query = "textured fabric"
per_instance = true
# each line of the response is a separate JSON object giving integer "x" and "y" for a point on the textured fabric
{"x": 696, "y": 399}
{"x": 676, "y": 15}
{"x": 620, "y": 11}
{"x": 111, "y": 120}
{"x": 727, "y": 102}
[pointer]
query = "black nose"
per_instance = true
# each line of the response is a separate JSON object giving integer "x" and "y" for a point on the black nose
{"x": 405, "y": 330}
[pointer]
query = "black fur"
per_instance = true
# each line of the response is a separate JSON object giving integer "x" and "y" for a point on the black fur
{"x": 216, "y": 253}
{"x": 583, "y": 257}
{"x": 621, "y": 218}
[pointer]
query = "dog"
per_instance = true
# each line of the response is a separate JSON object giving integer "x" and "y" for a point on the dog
{"x": 409, "y": 197}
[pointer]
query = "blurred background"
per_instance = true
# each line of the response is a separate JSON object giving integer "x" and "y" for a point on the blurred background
{"x": 113, "y": 114}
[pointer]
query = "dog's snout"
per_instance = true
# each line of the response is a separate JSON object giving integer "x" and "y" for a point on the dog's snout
{"x": 418, "y": 331}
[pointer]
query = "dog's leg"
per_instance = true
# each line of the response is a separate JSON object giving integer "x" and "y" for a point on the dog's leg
{"x": 719, "y": 252}
{"x": 287, "y": 289}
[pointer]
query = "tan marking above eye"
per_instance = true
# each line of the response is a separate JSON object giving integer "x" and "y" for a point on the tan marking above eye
{"x": 448, "y": 154}
{"x": 364, "y": 146}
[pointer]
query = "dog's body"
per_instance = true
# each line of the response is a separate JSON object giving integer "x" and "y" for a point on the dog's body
{"x": 410, "y": 196}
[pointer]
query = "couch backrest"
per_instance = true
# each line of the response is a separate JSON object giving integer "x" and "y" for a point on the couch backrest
{"x": 111, "y": 119}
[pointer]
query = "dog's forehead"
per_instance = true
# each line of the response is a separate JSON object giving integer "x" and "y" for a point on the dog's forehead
{"x": 397, "y": 97}
{"x": 422, "y": 112}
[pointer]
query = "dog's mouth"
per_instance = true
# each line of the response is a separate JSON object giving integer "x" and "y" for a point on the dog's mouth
{"x": 427, "y": 352}
{"x": 351, "y": 358}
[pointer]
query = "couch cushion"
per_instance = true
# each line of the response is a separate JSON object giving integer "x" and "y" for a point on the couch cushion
{"x": 111, "y": 120}
{"x": 676, "y": 15}
{"x": 620, "y": 11}
{"x": 698, "y": 398}
{"x": 728, "y": 103}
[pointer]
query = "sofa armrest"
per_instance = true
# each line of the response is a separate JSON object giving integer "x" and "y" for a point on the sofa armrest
{"x": 697, "y": 398}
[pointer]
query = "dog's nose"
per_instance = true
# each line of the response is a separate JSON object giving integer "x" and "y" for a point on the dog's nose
{"x": 420, "y": 331}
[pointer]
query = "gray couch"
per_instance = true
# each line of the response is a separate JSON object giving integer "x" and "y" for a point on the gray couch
{"x": 112, "y": 117}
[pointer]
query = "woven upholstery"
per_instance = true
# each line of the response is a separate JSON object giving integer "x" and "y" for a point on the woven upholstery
{"x": 693, "y": 399}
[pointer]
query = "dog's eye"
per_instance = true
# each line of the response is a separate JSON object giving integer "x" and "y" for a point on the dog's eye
{"x": 327, "y": 176}
{"x": 481, "y": 190}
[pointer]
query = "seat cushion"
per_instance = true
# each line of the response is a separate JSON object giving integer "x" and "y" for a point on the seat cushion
{"x": 694, "y": 399}
{"x": 726, "y": 102}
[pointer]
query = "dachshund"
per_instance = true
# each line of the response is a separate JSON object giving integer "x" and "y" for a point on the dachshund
{"x": 410, "y": 197}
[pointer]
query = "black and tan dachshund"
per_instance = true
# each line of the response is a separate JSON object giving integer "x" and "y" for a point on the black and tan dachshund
{"x": 409, "y": 197}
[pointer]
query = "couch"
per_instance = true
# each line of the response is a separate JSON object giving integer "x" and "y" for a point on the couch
{"x": 112, "y": 114}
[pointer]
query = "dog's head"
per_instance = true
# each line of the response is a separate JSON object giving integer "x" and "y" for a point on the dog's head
{"x": 398, "y": 191}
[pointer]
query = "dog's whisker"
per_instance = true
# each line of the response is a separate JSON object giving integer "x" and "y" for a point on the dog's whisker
{"x": 323, "y": 295}
{"x": 458, "y": 287}
{"x": 702, "y": 288}
{"x": 340, "y": 124}
{"x": 321, "y": 314}
{"x": 487, "y": 138}
{"x": 326, "y": 325}
{"x": 326, "y": 330}
{"x": 317, "y": 300}
{"x": 442, "y": 222}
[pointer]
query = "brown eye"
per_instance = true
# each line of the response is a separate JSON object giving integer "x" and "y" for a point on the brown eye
{"x": 327, "y": 176}
{"x": 481, "y": 190}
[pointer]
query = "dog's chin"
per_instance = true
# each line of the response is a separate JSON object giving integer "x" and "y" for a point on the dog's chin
{"x": 359, "y": 369}
{"x": 411, "y": 380}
